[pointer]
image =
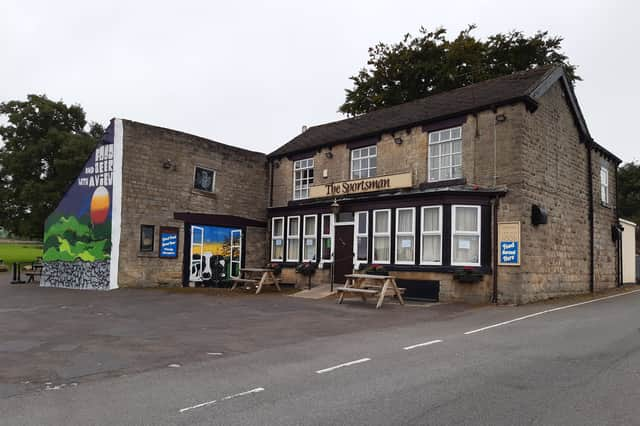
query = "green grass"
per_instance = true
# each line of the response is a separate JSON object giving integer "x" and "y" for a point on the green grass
{"x": 12, "y": 252}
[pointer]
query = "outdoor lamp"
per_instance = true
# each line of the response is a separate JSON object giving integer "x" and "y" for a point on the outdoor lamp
{"x": 335, "y": 207}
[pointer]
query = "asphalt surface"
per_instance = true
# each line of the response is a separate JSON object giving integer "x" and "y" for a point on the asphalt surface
{"x": 331, "y": 364}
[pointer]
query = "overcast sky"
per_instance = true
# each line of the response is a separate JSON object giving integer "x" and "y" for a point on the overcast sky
{"x": 252, "y": 73}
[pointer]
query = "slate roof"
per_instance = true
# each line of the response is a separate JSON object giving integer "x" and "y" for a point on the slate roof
{"x": 525, "y": 86}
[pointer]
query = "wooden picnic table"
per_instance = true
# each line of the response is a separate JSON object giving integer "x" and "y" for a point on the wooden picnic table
{"x": 249, "y": 276}
{"x": 370, "y": 285}
{"x": 35, "y": 271}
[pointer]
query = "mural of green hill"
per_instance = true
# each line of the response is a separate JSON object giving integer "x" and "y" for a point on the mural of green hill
{"x": 70, "y": 238}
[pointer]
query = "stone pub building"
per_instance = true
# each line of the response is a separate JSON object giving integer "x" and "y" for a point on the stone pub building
{"x": 491, "y": 192}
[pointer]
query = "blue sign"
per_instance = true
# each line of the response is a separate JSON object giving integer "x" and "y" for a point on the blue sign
{"x": 509, "y": 252}
{"x": 168, "y": 242}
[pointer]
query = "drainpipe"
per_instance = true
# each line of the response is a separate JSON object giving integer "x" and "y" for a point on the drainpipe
{"x": 494, "y": 209}
{"x": 619, "y": 242}
{"x": 592, "y": 277}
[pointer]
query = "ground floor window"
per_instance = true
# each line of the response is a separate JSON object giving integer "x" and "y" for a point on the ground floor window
{"x": 431, "y": 230}
{"x": 147, "y": 233}
{"x": 382, "y": 236}
{"x": 405, "y": 235}
{"x": 327, "y": 238}
{"x": 362, "y": 236}
{"x": 309, "y": 234}
{"x": 465, "y": 235}
{"x": 277, "y": 238}
{"x": 293, "y": 238}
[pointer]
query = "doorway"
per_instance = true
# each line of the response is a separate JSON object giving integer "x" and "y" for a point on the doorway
{"x": 343, "y": 257}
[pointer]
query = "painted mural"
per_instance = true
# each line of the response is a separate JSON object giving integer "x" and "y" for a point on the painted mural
{"x": 215, "y": 253}
{"x": 77, "y": 235}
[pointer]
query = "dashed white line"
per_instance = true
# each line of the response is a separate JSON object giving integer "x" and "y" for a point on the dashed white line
{"x": 548, "y": 311}
{"x": 346, "y": 364}
{"x": 419, "y": 345}
{"x": 204, "y": 404}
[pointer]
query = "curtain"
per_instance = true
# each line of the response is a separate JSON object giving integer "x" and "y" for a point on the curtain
{"x": 405, "y": 220}
{"x": 382, "y": 221}
{"x": 310, "y": 225}
{"x": 277, "y": 249}
{"x": 292, "y": 248}
{"x": 466, "y": 248}
{"x": 431, "y": 219}
{"x": 431, "y": 248}
{"x": 362, "y": 248}
{"x": 381, "y": 249}
{"x": 309, "y": 249}
{"x": 404, "y": 248}
{"x": 466, "y": 219}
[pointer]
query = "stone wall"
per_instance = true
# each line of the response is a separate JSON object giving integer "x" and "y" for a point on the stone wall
{"x": 76, "y": 275}
{"x": 152, "y": 193}
{"x": 604, "y": 215}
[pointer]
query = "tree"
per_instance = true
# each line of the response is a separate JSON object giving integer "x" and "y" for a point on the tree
{"x": 629, "y": 195}
{"x": 45, "y": 147}
{"x": 431, "y": 63}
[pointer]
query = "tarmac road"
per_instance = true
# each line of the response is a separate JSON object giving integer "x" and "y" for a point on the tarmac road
{"x": 555, "y": 364}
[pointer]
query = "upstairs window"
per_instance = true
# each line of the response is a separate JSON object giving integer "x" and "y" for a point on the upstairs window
{"x": 445, "y": 154}
{"x": 204, "y": 179}
{"x": 604, "y": 184}
{"x": 363, "y": 162}
{"x": 277, "y": 238}
{"x": 302, "y": 178}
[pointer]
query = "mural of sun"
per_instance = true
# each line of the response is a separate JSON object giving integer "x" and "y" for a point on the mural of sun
{"x": 99, "y": 205}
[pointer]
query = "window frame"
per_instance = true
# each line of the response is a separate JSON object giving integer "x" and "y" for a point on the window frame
{"x": 275, "y": 237}
{"x": 423, "y": 233}
{"x": 213, "y": 182}
{"x": 290, "y": 237}
{"x": 309, "y": 180}
{"x": 153, "y": 239}
{"x": 469, "y": 233}
{"x": 358, "y": 234}
{"x": 368, "y": 156}
{"x": 375, "y": 234}
{"x": 412, "y": 234}
{"x": 330, "y": 235}
{"x": 604, "y": 184}
{"x": 451, "y": 167}
{"x": 313, "y": 236}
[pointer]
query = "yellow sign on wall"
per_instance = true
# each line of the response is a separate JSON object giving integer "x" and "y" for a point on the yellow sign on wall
{"x": 509, "y": 243}
{"x": 381, "y": 183}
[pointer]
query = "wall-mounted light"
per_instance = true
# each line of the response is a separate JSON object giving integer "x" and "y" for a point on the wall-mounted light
{"x": 167, "y": 164}
{"x": 500, "y": 118}
{"x": 276, "y": 164}
{"x": 335, "y": 207}
{"x": 398, "y": 141}
{"x": 328, "y": 154}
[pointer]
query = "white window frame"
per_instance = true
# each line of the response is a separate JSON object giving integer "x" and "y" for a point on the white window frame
{"x": 368, "y": 156}
{"x": 604, "y": 184}
{"x": 276, "y": 237}
{"x": 289, "y": 237}
{"x": 313, "y": 236}
{"x": 469, "y": 233}
{"x": 423, "y": 233}
{"x": 440, "y": 141}
{"x": 310, "y": 164}
{"x": 412, "y": 233}
{"x": 330, "y": 235}
{"x": 358, "y": 234}
{"x": 213, "y": 183}
{"x": 380, "y": 234}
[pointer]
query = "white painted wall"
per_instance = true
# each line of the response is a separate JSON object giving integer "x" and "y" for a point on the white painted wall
{"x": 628, "y": 252}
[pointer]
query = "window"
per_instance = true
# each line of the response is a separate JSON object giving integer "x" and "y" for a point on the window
{"x": 362, "y": 236}
{"x": 445, "y": 154}
{"x": 465, "y": 235}
{"x": 293, "y": 238}
{"x": 363, "y": 162}
{"x": 309, "y": 249}
{"x": 204, "y": 179}
{"x": 302, "y": 178}
{"x": 381, "y": 236}
{"x": 405, "y": 235}
{"x": 431, "y": 230}
{"x": 604, "y": 184}
{"x": 146, "y": 237}
{"x": 327, "y": 238}
{"x": 277, "y": 238}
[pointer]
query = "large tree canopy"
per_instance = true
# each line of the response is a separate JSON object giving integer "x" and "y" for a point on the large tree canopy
{"x": 629, "y": 195}
{"x": 430, "y": 63}
{"x": 45, "y": 147}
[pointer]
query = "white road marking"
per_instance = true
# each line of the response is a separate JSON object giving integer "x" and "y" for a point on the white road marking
{"x": 204, "y": 404}
{"x": 214, "y": 353}
{"x": 346, "y": 364}
{"x": 174, "y": 365}
{"x": 548, "y": 311}
{"x": 408, "y": 348}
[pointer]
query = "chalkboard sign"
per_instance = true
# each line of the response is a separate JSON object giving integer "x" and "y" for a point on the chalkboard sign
{"x": 168, "y": 242}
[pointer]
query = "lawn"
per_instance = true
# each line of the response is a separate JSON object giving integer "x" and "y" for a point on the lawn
{"x": 16, "y": 252}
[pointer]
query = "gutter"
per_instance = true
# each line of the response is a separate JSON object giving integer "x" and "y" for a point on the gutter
{"x": 494, "y": 205}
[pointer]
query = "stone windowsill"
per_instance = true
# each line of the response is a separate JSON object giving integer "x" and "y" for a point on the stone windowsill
{"x": 203, "y": 193}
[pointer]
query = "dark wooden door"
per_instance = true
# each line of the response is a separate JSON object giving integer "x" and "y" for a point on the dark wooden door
{"x": 343, "y": 252}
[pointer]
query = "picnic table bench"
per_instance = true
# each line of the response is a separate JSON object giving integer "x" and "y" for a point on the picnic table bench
{"x": 249, "y": 276}
{"x": 370, "y": 285}
{"x": 35, "y": 271}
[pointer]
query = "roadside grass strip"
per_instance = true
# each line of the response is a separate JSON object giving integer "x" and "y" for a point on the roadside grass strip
{"x": 226, "y": 398}
{"x": 419, "y": 345}
{"x": 346, "y": 364}
{"x": 559, "y": 308}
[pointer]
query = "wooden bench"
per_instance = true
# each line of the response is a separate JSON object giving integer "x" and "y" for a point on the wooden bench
{"x": 361, "y": 284}
{"x": 32, "y": 275}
